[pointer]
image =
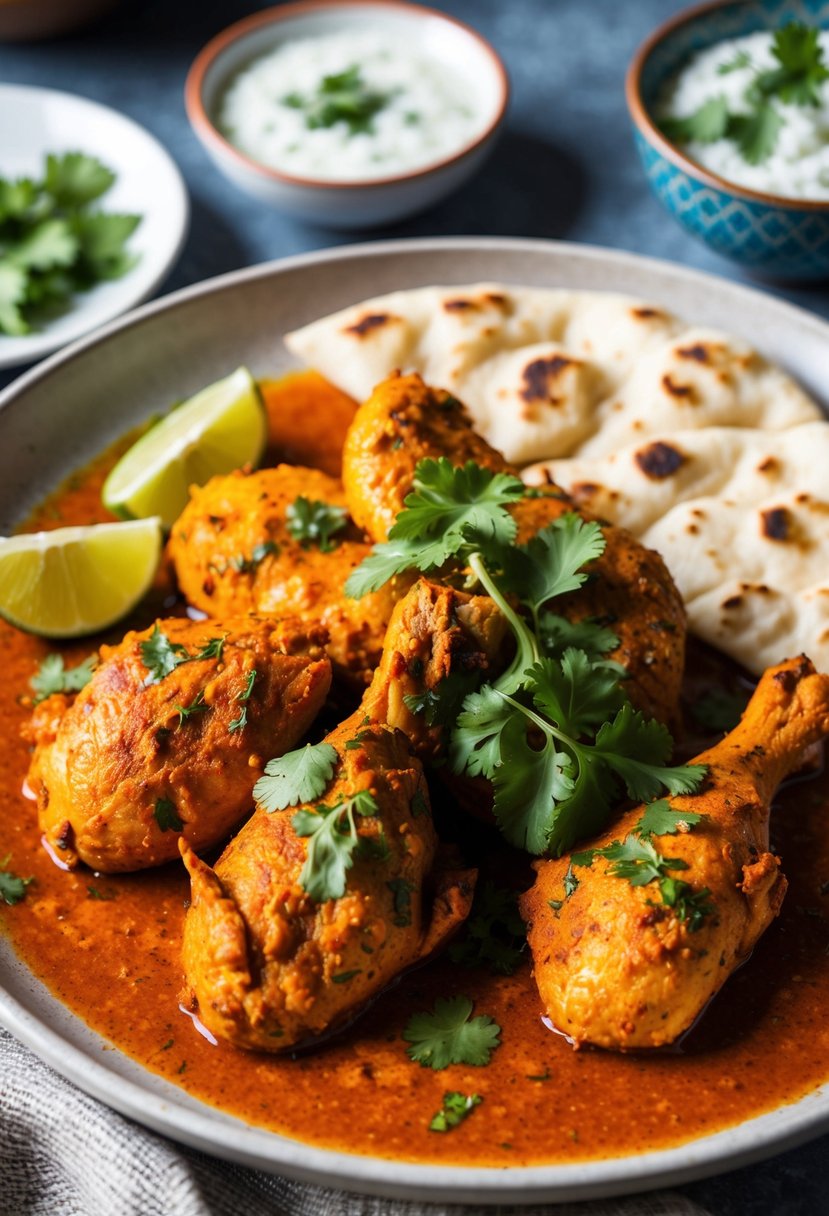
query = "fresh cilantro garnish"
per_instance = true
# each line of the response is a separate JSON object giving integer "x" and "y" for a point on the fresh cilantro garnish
{"x": 104, "y": 894}
{"x": 440, "y": 706}
{"x": 343, "y": 977}
{"x": 495, "y": 936}
{"x": 166, "y": 815}
{"x": 12, "y": 888}
{"x": 52, "y": 676}
{"x": 718, "y": 710}
{"x": 570, "y": 882}
{"x": 555, "y": 733}
{"x": 340, "y": 97}
{"x": 298, "y": 776}
{"x": 334, "y": 841}
{"x": 455, "y": 1108}
{"x": 706, "y": 125}
{"x": 449, "y": 1036}
{"x": 797, "y": 80}
{"x": 741, "y": 60}
{"x": 636, "y": 859}
{"x": 313, "y": 522}
{"x": 660, "y": 819}
{"x": 161, "y": 656}
{"x": 51, "y": 244}
{"x": 244, "y": 696}
{"x": 401, "y": 890}
{"x": 196, "y": 706}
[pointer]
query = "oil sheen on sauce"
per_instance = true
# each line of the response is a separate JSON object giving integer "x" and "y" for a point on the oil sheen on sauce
{"x": 108, "y": 947}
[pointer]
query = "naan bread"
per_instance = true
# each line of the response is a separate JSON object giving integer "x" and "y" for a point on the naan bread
{"x": 742, "y": 520}
{"x": 554, "y": 373}
{"x": 684, "y": 435}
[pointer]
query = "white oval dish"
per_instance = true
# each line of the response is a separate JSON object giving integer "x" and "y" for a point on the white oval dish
{"x": 167, "y": 350}
{"x": 147, "y": 183}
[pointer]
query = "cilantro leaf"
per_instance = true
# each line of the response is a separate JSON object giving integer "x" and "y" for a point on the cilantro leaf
{"x": 557, "y": 634}
{"x": 50, "y": 243}
{"x": 16, "y": 197}
{"x": 741, "y": 60}
{"x": 551, "y": 564}
{"x": 166, "y": 815}
{"x": 298, "y": 776}
{"x": 448, "y": 1035}
{"x": 311, "y": 521}
{"x": 340, "y": 97}
{"x": 636, "y": 749}
{"x": 333, "y": 843}
{"x": 74, "y": 179}
{"x": 660, "y": 819}
{"x": 244, "y": 696}
{"x": 12, "y": 888}
{"x": 802, "y": 71}
{"x": 455, "y": 1108}
{"x": 495, "y": 936}
{"x": 475, "y": 745}
{"x": 102, "y": 237}
{"x": 52, "y": 676}
{"x": 385, "y": 560}
{"x": 196, "y": 706}
{"x": 757, "y": 132}
{"x": 576, "y": 693}
{"x": 440, "y": 706}
{"x": 13, "y": 283}
{"x": 706, "y": 125}
{"x": 161, "y": 656}
{"x": 528, "y": 785}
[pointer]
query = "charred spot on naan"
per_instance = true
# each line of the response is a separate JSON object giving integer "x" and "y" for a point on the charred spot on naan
{"x": 370, "y": 322}
{"x": 659, "y": 460}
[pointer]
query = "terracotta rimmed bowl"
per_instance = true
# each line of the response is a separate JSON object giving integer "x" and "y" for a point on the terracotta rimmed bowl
{"x": 347, "y": 203}
{"x": 779, "y": 237}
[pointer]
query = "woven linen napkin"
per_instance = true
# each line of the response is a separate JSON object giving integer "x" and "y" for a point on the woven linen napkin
{"x": 65, "y": 1154}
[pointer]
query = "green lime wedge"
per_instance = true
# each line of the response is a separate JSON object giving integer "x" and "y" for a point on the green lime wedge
{"x": 220, "y": 429}
{"x": 73, "y": 581}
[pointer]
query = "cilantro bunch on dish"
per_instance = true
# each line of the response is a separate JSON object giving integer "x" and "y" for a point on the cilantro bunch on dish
{"x": 55, "y": 241}
{"x": 797, "y": 79}
{"x": 555, "y": 733}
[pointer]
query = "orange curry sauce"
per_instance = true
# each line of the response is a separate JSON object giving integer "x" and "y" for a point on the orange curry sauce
{"x": 108, "y": 947}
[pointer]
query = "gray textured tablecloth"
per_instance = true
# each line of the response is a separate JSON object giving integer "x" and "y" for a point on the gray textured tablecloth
{"x": 64, "y": 1154}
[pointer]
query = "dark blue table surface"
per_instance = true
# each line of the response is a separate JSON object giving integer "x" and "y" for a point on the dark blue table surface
{"x": 564, "y": 169}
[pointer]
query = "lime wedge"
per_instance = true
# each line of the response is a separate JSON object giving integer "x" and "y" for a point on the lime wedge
{"x": 73, "y": 581}
{"x": 220, "y": 429}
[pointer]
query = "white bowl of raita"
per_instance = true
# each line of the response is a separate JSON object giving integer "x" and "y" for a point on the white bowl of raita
{"x": 349, "y": 115}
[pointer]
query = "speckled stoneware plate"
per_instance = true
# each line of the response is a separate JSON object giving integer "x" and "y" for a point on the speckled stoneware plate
{"x": 66, "y": 410}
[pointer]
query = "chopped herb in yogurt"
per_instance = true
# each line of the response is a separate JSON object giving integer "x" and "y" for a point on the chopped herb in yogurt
{"x": 756, "y": 110}
{"x": 351, "y": 106}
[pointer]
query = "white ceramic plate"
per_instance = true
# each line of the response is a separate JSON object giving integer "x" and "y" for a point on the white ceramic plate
{"x": 148, "y": 183}
{"x": 63, "y": 412}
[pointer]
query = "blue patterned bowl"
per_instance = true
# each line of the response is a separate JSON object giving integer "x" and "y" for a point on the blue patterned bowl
{"x": 782, "y": 238}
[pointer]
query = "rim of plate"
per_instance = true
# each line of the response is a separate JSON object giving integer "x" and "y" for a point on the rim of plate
{"x": 166, "y": 1109}
{"x": 30, "y": 347}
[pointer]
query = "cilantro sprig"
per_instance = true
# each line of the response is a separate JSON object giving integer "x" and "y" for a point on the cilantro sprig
{"x": 334, "y": 844}
{"x": 797, "y": 79}
{"x": 637, "y": 859}
{"x": 340, "y": 97}
{"x": 555, "y": 733}
{"x": 297, "y": 776}
{"x": 454, "y": 1109}
{"x": 313, "y": 522}
{"x": 449, "y": 1035}
{"x": 161, "y": 656}
{"x": 12, "y": 888}
{"x": 53, "y": 676}
{"x": 52, "y": 244}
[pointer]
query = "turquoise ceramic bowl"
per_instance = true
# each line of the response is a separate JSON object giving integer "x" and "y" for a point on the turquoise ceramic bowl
{"x": 779, "y": 237}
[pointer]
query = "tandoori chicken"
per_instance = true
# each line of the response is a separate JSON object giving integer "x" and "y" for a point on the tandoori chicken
{"x": 169, "y": 737}
{"x": 279, "y": 542}
{"x": 405, "y": 421}
{"x": 633, "y": 937}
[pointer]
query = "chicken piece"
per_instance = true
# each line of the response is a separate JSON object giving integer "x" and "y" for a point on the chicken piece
{"x": 405, "y": 421}
{"x": 620, "y": 966}
{"x": 134, "y": 761}
{"x": 267, "y": 966}
{"x": 233, "y": 553}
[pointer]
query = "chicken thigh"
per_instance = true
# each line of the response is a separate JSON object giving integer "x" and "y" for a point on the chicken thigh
{"x": 270, "y": 966}
{"x": 169, "y": 737}
{"x": 631, "y": 939}
{"x": 405, "y": 421}
{"x": 234, "y": 552}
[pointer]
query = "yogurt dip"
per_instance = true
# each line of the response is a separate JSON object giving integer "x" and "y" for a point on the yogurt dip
{"x": 798, "y": 167}
{"x": 349, "y": 106}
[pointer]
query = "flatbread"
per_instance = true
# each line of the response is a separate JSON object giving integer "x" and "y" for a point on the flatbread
{"x": 684, "y": 435}
{"x": 554, "y": 373}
